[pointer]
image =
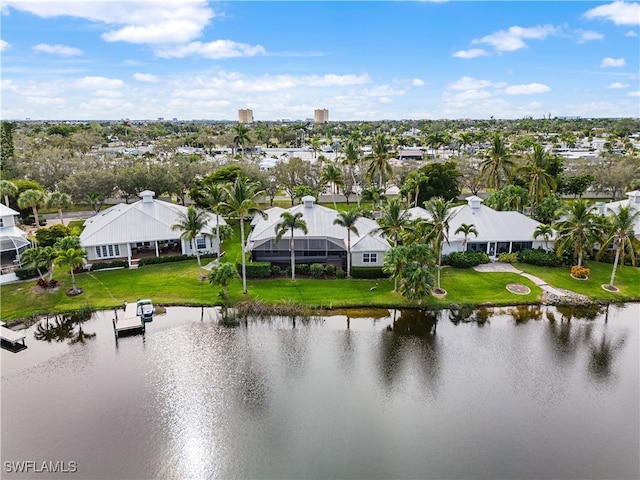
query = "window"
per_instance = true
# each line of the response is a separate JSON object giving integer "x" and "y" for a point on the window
{"x": 201, "y": 243}
{"x": 107, "y": 251}
{"x": 369, "y": 258}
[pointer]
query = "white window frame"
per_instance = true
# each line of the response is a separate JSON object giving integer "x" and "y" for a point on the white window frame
{"x": 204, "y": 243}
{"x": 369, "y": 258}
{"x": 108, "y": 251}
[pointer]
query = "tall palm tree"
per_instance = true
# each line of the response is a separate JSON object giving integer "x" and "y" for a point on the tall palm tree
{"x": 379, "y": 165}
{"x": 622, "y": 237}
{"x": 393, "y": 220}
{"x": 241, "y": 204}
{"x": 71, "y": 258}
{"x": 291, "y": 223}
{"x": 192, "y": 223}
{"x": 348, "y": 219}
{"x": 59, "y": 201}
{"x": 33, "y": 198}
{"x": 541, "y": 182}
{"x": 497, "y": 165}
{"x": 466, "y": 229}
{"x": 440, "y": 214}
{"x": 351, "y": 158}
{"x": 579, "y": 229}
{"x": 545, "y": 231}
{"x": 241, "y": 136}
{"x": 213, "y": 194}
{"x": 373, "y": 194}
{"x": 332, "y": 175}
{"x": 7, "y": 189}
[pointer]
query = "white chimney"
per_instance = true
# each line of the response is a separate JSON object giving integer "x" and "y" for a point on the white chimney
{"x": 474, "y": 202}
{"x": 308, "y": 201}
{"x": 147, "y": 196}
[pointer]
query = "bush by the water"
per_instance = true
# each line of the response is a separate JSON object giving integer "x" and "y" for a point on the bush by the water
{"x": 465, "y": 259}
{"x": 539, "y": 257}
{"x": 368, "y": 272}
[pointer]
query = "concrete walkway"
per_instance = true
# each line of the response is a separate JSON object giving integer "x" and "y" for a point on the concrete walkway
{"x": 508, "y": 268}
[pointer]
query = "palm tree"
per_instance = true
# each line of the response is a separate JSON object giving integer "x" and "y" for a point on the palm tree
{"x": 393, "y": 220}
{"x": 290, "y": 222}
{"x": 622, "y": 237}
{"x": 222, "y": 275}
{"x": 379, "y": 165}
{"x": 7, "y": 189}
{"x": 497, "y": 165}
{"x": 71, "y": 258}
{"x": 95, "y": 199}
{"x": 466, "y": 229}
{"x": 241, "y": 136}
{"x": 351, "y": 158}
{"x": 541, "y": 182}
{"x": 348, "y": 219}
{"x": 40, "y": 258}
{"x": 213, "y": 194}
{"x": 192, "y": 224}
{"x": 59, "y": 201}
{"x": 33, "y": 198}
{"x": 332, "y": 175}
{"x": 440, "y": 214}
{"x": 544, "y": 231}
{"x": 241, "y": 203}
{"x": 374, "y": 195}
{"x": 579, "y": 229}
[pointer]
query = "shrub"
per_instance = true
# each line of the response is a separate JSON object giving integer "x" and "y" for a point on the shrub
{"x": 156, "y": 260}
{"x": 465, "y": 259}
{"x": 47, "y": 236}
{"x": 302, "y": 269}
{"x": 26, "y": 273}
{"x": 539, "y": 257}
{"x": 317, "y": 270}
{"x": 505, "y": 257}
{"x": 275, "y": 270}
{"x": 368, "y": 272}
{"x": 340, "y": 273}
{"x": 330, "y": 270}
{"x": 579, "y": 272}
{"x": 112, "y": 264}
{"x": 256, "y": 269}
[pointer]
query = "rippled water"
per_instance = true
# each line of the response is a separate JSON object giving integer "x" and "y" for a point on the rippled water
{"x": 515, "y": 393}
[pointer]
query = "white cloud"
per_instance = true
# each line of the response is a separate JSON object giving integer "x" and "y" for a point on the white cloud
{"x": 142, "y": 21}
{"x": 634, "y": 94}
{"x": 58, "y": 49}
{"x": 98, "y": 83}
{"x": 513, "y": 38}
{"x": 145, "y": 77}
{"x": 616, "y": 85}
{"x": 469, "y": 83}
{"x": 620, "y": 13}
{"x": 631, "y": 33}
{"x": 385, "y": 100}
{"x": 612, "y": 62}
{"x": 4, "y": 45}
{"x": 529, "y": 89}
{"x": 471, "y": 53}
{"x": 417, "y": 82}
{"x": 584, "y": 36}
{"x": 216, "y": 49}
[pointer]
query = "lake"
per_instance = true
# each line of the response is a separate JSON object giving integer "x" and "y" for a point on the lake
{"x": 526, "y": 392}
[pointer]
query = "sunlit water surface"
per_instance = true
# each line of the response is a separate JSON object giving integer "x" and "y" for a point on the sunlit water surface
{"x": 528, "y": 393}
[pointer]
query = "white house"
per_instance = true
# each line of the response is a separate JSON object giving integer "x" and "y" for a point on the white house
{"x": 143, "y": 228}
{"x": 324, "y": 242}
{"x": 498, "y": 231}
{"x": 632, "y": 201}
{"x": 13, "y": 240}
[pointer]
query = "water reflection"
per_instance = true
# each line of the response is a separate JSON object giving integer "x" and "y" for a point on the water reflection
{"x": 63, "y": 327}
{"x": 580, "y": 312}
{"x": 523, "y": 313}
{"x": 466, "y": 314}
{"x": 602, "y": 356}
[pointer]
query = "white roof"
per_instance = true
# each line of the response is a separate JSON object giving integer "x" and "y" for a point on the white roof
{"x": 492, "y": 225}
{"x": 6, "y": 211}
{"x": 320, "y": 224}
{"x": 269, "y": 211}
{"x": 142, "y": 221}
{"x": 632, "y": 201}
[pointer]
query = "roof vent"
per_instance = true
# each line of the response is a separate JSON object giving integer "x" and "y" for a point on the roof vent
{"x": 634, "y": 197}
{"x": 474, "y": 201}
{"x": 308, "y": 201}
{"x": 147, "y": 196}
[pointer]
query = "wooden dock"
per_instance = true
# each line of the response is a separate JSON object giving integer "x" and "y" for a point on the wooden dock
{"x": 10, "y": 336}
{"x": 127, "y": 321}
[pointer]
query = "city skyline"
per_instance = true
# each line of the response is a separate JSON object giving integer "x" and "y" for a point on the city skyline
{"x": 283, "y": 60}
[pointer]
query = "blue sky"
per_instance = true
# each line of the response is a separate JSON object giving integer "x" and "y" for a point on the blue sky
{"x": 360, "y": 60}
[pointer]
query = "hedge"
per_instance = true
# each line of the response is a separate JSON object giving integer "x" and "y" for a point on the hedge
{"x": 256, "y": 269}
{"x": 540, "y": 258}
{"x": 465, "y": 259}
{"x": 368, "y": 272}
{"x": 26, "y": 273}
{"x": 113, "y": 264}
{"x": 156, "y": 260}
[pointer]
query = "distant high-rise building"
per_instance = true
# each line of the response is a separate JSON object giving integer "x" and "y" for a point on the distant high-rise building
{"x": 321, "y": 115}
{"x": 245, "y": 115}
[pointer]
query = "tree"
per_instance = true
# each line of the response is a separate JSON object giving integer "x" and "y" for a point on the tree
{"x": 7, "y": 189}
{"x": 213, "y": 195}
{"x": 509, "y": 197}
{"x": 622, "y": 238}
{"x": 59, "y": 201}
{"x": 578, "y": 229}
{"x": 241, "y": 136}
{"x": 541, "y": 182}
{"x": 440, "y": 214}
{"x": 291, "y": 223}
{"x": 192, "y": 224}
{"x": 544, "y": 231}
{"x": 373, "y": 194}
{"x": 297, "y": 172}
{"x": 40, "y": 258}
{"x": 466, "y": 229}
{"x": 379, "y": 165}
{"x": 222, "y": 275}
{"x": 242, "y": 205}
{"x": 7, "y": 153}
{"x": 351, "y": 158}
{"x": 348, "y": 220}
{"x": 437, "y": 180}
{"x": 332, "y": 175}
{"x": 71, "y": 258}
{"x": 411, "y": 269}
{"x": 497, "y": 165}
{"x": 393, "y": 220}
{"x": 34, "y": 199}
{"x": 95, "y": 200}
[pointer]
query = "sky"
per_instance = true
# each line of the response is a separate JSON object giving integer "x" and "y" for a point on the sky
{"x": 363, "y": 61}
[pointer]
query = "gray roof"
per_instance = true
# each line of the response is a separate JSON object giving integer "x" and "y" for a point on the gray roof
{"x": 144, "y": 221}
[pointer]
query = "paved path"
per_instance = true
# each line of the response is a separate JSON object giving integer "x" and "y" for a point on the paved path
{"x": 507, "y": 267}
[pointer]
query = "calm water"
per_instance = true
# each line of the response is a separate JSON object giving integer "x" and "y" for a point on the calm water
{"x": 522, "y": 393}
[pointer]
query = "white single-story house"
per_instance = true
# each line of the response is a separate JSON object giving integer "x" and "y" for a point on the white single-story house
{"x": 498, "y": 231}
{"x": 143, "y": 228}
{"x": 632, "y": 201}
{"x": 13, "y": 240}
{"x": 324, "y": 242}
